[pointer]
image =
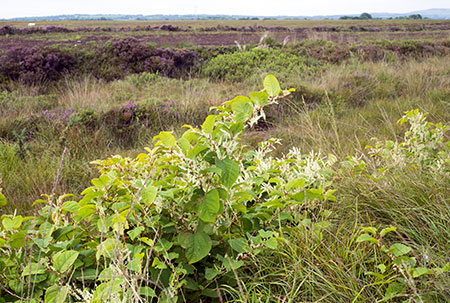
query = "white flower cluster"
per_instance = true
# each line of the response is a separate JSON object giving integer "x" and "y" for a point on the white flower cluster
{"x": 312, "y": 168}
{"x": 423, "y": 146}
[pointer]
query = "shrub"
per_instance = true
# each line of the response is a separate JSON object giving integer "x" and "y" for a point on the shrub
{"x": 242, "y": 65}
{"x": 423, "y": 146}
{"x": 36, "y": 64}
{"x": 170, "y": 223}
{"x": 115, "y": 60}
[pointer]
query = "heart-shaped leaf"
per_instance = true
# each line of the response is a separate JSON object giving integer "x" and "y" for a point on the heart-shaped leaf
{"x": 210, "y": 206}
{"x": 64, "y": 259}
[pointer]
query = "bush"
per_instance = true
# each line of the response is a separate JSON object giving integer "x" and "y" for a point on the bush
{"x": 242, "y": 65}
{"x": 174, "y": 231}
{"x": 37, "y": 64}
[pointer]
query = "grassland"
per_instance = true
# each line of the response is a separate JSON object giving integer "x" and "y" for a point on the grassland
{"x": 195, "y": 24}
{"x": 341, "y": 103}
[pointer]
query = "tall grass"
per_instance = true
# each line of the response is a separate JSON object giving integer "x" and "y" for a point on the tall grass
{"x": 352, "y": 103}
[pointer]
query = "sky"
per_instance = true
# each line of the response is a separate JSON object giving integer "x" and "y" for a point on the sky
{"x": 27, "y": 8}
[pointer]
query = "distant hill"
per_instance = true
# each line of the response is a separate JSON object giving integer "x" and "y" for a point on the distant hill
{"x": 434, "y": 13}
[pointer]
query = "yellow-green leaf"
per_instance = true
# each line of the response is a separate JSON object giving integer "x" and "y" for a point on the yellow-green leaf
{"x": 149, "y": 194}
{"x": 64, "y": 259}
{"x": 271, "y": 85}
{"x": 242, "y": 108}
{"x": 166, "y": 139}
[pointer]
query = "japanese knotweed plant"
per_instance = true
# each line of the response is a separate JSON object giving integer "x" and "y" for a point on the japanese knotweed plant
{"x": 174, "y": 223}
{"x": 423, "y": 146}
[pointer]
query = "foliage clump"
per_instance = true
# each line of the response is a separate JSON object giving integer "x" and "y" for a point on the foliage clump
{"x": 242, "y": 65}
{"x": 170, "y": 223}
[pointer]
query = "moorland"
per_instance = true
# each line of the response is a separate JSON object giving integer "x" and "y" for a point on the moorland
{"x": 350, "y": 202}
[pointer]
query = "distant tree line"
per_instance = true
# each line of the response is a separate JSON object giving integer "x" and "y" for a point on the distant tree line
{"x": 363, "y": 16}
{"x": 410, "y": 17}
{"x": 367, "y": 16}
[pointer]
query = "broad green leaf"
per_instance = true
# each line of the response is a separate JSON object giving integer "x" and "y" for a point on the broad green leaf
{"x": 106, "y": 248}
{"x": 17, "y": 240}
{"x": 211, "y": 273}
{"x": 90, "y": 196}
{"x": 33, "y": 269}
{"x": 185, "y": 145}
{"x": 271, "y": 85}
{"x": 39, "y": 201}
{"x": 147, "y": 241}
{"x": 419, "y": 271}
{"x": 12, "y": 224}
{"x": 84, "y": 212}
{"x": 242, "y": 108}
{"x": 240, "y": 245}
{"x": 56, "y": 294}
{"x": 107, "y": 274}
{"x": 271, "y": 243}
{"x": 236, "y": 128}
{"x": 230, "y": 171}
{"x": 208, "y": 125}
{"x": 210, "y": 206}
{"x": 366, "y": 238}
{"x": 158, "y": 264}
{"x": 197, "y": 245}
{"x": 166, "y": 139}
{"x": 149, "y": 194}
{"x": 2, "y": 200}
{"x": 135, "y": 232}
{"x": 387, "y": 230}
{"x": 163, "y": 245}
{"x": 231, "y": 264}
{"x": 399, "y": 249}
{"x": 147, "y": 292}
{"x": 370, "y": 229}
{"x": 259, "y": 98}
{"x": 71, "y": 206}
{"x": 101, "y": 182}
{"x": 295, "y": 184}
{"x": 42, "y": 241}
{"x": 104, "y": 290}
{"x": 266, "y": 233}
{"x": 136, "y": 264}
{"x": 196, "y": 150}
{"x": 64, "y": 259}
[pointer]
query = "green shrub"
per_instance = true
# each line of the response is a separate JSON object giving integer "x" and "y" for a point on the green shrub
{"x": 171, "y": 223}
{"x": 242, "y": 65}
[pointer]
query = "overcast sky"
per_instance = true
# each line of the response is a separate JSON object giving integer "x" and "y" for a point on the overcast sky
{"x": 26, "y": 8}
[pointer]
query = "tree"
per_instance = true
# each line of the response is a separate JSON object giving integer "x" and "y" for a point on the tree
{"x": 365, "y": 16}
{"x": 416, "y": 17}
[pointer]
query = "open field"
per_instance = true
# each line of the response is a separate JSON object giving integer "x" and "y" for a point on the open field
{"x": 197, "y": 24}
{"x": 352, "y": 206}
